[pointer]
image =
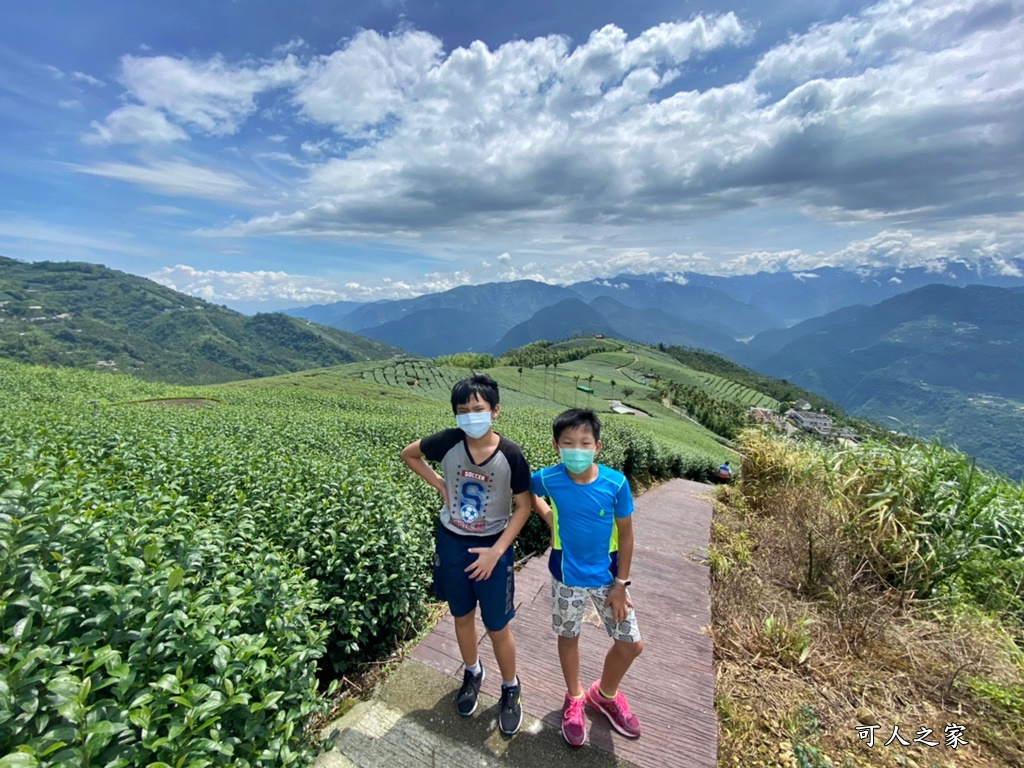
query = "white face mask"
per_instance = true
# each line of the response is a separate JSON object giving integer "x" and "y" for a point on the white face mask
{"x": 474, "y": 424}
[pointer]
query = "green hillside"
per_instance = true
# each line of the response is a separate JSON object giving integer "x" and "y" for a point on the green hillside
{"x": 590, "y": 372}
{"x": 87, "y": 316}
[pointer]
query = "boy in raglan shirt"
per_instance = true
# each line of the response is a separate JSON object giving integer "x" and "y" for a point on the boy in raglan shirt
{"x": 483, "y": 474}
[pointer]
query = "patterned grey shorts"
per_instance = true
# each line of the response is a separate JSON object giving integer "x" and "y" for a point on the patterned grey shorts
{"x": 568, "y": 605}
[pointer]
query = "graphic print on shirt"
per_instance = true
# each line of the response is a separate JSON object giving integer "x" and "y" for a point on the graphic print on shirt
{"x": 472, "y": 497}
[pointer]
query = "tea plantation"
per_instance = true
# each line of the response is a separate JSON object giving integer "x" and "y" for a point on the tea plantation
{"x": 178, "y": 575}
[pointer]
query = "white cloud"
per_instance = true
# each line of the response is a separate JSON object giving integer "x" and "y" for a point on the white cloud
{"x": 247, "y": 286}
{"x": 164, "y": 210}
{"x": 857, "y": 119}
{"x": 368, "y": 79}
{"x": 88, "y": 79}
{"x": 172, "y": 177}
{"x": 135, "y": 124}
{"x": 211, "y": 97}
{"x": 594, "y": 158}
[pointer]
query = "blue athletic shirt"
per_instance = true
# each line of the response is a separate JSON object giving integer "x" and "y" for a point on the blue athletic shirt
{"x": 585, "y": 542}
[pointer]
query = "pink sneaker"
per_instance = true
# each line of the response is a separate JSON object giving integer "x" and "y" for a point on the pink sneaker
{"x": 574, "y": 724}
{"x": 616, "y": 710}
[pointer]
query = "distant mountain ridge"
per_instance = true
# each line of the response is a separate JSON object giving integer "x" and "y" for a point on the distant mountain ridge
{"x": 568, "y": 317}
{"x": 85, "y": 315}
{"x": 929, "y": 346}
{"x": 941, "y": 361}
{"x": 708, "y": 312}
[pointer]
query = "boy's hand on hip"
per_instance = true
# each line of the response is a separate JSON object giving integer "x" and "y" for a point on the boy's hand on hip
{"x": 484, "y": 565}
{"x": 619, "y": 602}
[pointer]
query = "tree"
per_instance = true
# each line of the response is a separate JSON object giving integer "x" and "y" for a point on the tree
{"x": 520, "y": 378}
{"x": 575, "y": 391}
{"x": 627, "y": 391}
{"x": 590, "y": 383}
{"x": 613, "y": 389}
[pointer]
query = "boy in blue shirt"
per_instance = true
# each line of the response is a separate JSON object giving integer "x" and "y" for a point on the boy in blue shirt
{"x": 484, "y": 474}
{"x": 590, "y": 516}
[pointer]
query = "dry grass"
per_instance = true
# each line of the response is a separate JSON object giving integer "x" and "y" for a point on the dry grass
{"x": 809, "y": 645}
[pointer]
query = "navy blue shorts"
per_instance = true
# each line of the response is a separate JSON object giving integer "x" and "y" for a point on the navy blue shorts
{"x": 496, "y": 595}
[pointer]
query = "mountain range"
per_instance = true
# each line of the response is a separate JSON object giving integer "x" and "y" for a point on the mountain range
{"x": 938, "y": 361}
{"x": 936, "y": 351}
{"x": 941, "y": 359}
{"x": 709, "y": 312}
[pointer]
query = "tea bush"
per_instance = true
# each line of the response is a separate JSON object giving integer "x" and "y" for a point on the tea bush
{"x": 134, "y": 633}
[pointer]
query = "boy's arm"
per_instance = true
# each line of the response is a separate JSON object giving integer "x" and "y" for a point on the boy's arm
{"x": 415, "y": 460}
{"x": 617, "y": 598}
{"x": 542, "y": 508}
{"x": 489, "y": 556}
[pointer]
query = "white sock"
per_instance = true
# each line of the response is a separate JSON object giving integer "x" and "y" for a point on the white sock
{"x": 510, "y": 683}
{"x": 475, "y": 668}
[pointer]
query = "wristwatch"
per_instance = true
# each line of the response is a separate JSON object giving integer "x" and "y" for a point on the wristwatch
{"x": 623, "y": 582}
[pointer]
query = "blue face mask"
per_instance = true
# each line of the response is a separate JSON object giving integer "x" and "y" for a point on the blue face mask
{"x": 577, "y": 460}
{"x": 474, "y": 424}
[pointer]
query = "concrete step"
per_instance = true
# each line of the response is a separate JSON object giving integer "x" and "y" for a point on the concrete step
{"x": 411, "y": 723}
{"x": 373, "y": 735}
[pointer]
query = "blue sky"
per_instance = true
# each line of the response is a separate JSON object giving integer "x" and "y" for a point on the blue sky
{"x": 264, "y": 154}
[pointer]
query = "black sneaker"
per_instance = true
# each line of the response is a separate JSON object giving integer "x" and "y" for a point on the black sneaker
{"x": 468, "y": 693}
{"x": 511, "y": 715}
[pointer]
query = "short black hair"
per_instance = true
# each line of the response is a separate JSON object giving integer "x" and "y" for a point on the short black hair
{"x": 479, "y": 384}
{"x": 577, "y": 417}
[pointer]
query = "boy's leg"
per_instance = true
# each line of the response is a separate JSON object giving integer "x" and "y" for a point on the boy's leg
{"x": 567, "y": 606}
{"x": 496, "y": 596}
{"x": 452, "y": 582}
{"x": 569, "y": 658}
{"x": 604, "y": 694}
{"x": 505, "y": 652}
{"x": 497, "y": 608}
{"x": 627, "y": 644}
{"x": 469, "y": 693}
{"x": 617, "y": 662}
{"x": 465, "y": 634}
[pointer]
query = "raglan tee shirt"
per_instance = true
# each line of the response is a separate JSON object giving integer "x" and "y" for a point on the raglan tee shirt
{"x": 480, "y": 495}
{"x": 585, "y": 541}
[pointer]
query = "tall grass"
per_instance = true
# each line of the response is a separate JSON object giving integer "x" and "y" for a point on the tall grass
{"x": 921, "y": 519}
{"x": 869, "y": 584}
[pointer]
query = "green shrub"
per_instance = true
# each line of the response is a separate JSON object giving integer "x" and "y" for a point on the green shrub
{"x": 132, "y": 633}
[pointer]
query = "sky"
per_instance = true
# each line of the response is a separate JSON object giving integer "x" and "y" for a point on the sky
{"x": 265, "y": 154}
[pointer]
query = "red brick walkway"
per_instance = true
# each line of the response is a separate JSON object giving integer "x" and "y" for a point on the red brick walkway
{"x": 671, "y": 687}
